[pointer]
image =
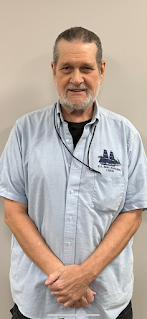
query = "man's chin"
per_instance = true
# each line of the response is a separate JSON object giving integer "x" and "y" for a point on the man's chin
{"x": 74, "y": 107}
{"x": 71, "y": 106}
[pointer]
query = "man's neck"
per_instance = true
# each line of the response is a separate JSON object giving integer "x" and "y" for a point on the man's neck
{"x": 77, "y": 116}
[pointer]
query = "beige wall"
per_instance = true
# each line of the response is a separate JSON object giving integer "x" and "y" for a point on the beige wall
{"x": 28, "y": 29}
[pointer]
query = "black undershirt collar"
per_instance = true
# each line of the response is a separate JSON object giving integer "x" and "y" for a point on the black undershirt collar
{"x": 76, "y": 130}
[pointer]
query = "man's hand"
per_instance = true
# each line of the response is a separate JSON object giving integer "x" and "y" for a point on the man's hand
{"x": 71, "y": 286}
{"x": 87, "y": 298}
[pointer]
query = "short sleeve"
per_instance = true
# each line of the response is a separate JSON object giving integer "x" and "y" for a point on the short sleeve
{"x": 136, "y": 195}
{"x": 12, "y": 181}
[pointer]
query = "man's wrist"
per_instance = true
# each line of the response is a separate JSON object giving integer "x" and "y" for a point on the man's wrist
{"x": 88, "y": 271}
{"x": 53, "y": 266}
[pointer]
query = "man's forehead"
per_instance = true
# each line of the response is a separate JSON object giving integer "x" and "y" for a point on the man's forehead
{"x": 76, "y": 49}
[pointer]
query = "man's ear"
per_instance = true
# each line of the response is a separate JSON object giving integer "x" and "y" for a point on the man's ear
{"x": 103, "y": 64}
{"x": 53, "y": 66}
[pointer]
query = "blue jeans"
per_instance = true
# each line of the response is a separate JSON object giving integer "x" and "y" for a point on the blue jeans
{"x": 125, "y": 314}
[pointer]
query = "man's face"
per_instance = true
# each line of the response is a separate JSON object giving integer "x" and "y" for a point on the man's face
{"x": 76, "y": 74}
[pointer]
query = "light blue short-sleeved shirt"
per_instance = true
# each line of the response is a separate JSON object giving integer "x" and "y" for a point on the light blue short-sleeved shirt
{"x": 72, "y": 206}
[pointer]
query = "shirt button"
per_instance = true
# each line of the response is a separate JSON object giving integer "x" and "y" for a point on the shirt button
{"x": 70, "y": 218}
{"x": 67, "y": 140}
{"x": 69, "y": 243}
{"x": 69, "y": 165}
{"x": 72, "y": 191}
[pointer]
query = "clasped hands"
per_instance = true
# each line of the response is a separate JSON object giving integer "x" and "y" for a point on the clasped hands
{"x": 71, "y": 286}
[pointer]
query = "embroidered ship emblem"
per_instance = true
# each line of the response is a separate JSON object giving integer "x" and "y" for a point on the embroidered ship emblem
{"x": 109, "y": 160}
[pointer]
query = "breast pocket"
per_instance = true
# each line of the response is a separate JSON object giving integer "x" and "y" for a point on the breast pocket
{"x": 108, "y": 193}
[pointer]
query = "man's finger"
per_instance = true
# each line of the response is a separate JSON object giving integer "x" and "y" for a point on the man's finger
{"x": 93, "y": 292}
{"x": 89, "y": 295}
{"x": 83, "y": 301}
{"x": 52, "y": 278}
{"x": 77, "y": 305}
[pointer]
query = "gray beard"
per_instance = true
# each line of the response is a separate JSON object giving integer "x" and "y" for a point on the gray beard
{"x": 70, "y": 107}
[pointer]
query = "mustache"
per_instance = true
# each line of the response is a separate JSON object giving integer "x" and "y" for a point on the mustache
{"x": 76, "y": 87}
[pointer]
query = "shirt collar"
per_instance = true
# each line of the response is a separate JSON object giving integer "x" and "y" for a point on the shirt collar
{"x": 59, "y": 113}
{"x": 95, "y": 117}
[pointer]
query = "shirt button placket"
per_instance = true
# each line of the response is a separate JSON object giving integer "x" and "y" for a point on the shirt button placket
{"x": 70, "y": 226}
{"x": 71, "y": 210}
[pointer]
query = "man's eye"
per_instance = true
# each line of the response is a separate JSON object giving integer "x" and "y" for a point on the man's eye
{"x": 88, "y": 68}
{"x": 66, "y": 68}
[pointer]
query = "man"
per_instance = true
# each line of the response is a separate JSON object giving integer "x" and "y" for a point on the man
{"x": 73, "y": 176}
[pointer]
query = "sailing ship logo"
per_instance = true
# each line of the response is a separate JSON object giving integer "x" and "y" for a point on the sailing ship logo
{"x": 109, "y": 160}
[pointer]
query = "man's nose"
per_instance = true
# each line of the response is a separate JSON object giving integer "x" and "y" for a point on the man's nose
{"x": 76, "y": 77}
